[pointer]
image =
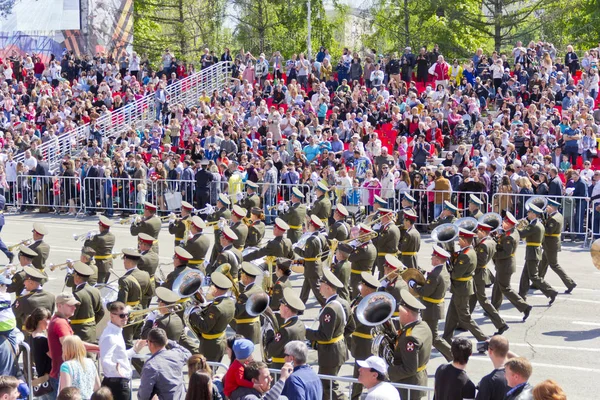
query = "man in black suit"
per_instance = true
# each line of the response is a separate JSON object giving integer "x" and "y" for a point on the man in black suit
{"x": 92, "y": 184}
{"x": 41, "y": 173}
{"x": 555, "y": 188}
{"x": 204, "y": 184}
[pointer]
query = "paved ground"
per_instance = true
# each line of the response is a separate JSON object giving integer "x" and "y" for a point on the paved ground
{"x": 562, "y": 341}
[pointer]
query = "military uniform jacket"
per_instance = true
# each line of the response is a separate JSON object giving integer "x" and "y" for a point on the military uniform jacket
{"x": 432, "y": 293}
{"x": 330, "y": 334}
{"x": 321, "y": 208}
{"x": 149, "y": 262}
{"x": 363, "y": 258}
{"x": 440, "y": 221}
{"x": 245, "y": 324}
{"x": 198, "y": 246}
{"x": 277, "y": 292}
{"x": 179, "y": 228}
{"x": 411, "y": 355}
{"x": 486, "y": 250}
{"x": 24, "y": 305}
{"x": 256, "y": 233}
{"x": 143, "y": 279}
{"x": 553, "y": 229}
{"x": 17, "y": 282}
{"x": 350, "y": 322}
{"x": 229, "y": 255}
{"x": 295, "y": 216}
{"x": 130, "y": 291}
{"x": 462, "y": 272}
{"x": 475, "y": 214}
{"x": 276, "y": 247}
{"x": 311, "y": 255}
{"x": 339, "y": 230}
{"x": 222, "y": 212}
{"x": 394, "y": 288}
{"x": 92, "y": 280}
{"x": 410, "y": 244}
{"x": 249, "y": 202}
{"x": 292, "y": 329}
{"x": 400, "y": 220}
{"x": 341, "y": 269}
{"x": 43, "y": 250}
{"x": 168, "y": 283}
{"x": 241, "y": 230}
{"x": 387, "y": 241}
{"x": 362, "y": 337}
{"x": 103, "y": 244}
{"x": 171, "y": 323}
{"x": 88, "y": 314}
{"x": 150, "y": 226}
{"x": 214, "y": 318}
{"x": 505, "y": 251}
{"x": 534, "y": 236}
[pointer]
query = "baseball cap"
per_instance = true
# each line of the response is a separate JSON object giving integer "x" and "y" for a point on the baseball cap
{"x": 375, "y": 363}
{"x": 67, "y": 298}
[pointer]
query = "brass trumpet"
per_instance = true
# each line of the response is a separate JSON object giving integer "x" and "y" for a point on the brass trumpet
{"x": 131, "y": 219}
{"x": 86, "y": 235}
{"x": 522, "y": 223}
{"x": 25, "y": 242}
{"x": 8, "y": 268}
{"x": 277, "y": 205}
{"x": 62, "y": 266}
{"x": 173, "y": 308}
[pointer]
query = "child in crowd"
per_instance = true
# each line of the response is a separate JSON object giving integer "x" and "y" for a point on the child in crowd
{"x": 234, "y": 378}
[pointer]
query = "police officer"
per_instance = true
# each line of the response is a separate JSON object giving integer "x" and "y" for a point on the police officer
{"x": 245, "y": 324}
{"x": 506, "y": 265}
{"x": 26, "y": 255}
{"x": 485, "y": 250}
{"x": 311, "y": 254}
{"x": 447, "y": 216}
{"x": 180, "y": 265}
{"x": 148, "y": 263}
{"x": 475, "y": 204}
{"x": 407, "y": 203}
{"x": 222, "y": 212}
{"x": 229, "y": 254}
{"x": 329, "y": 336}
{"x": 150, "y": 224}
{"x": 341, "y": 269}
{"x": 164, "y": 317}
{"x": 256, "y": 229}
{"x": 103, "y": 244}
{"x": 362, "y": 337}
{"x": 291, "y": 327}
{"x": 462, "y": 267}
{"x": 410, "y": 244}
{"x": 90, "y": 310}
{"x": 211, "y": 321}
{"x": 340, "y": 229}
{"x": 130, "y": 291}
{"x": 413, "y": 347}
{"x": 204, "y": 184}
{"x": 295, "y": 215}
{"x": 86, "y": 257}
{"x": 361, "y": 260}
{"x": 180, "y": 227}
{"x": 41, "y": 248}
{"x": 552, "y": 245}
{"x": 36, "y": 296}
{"x": 322, "y": 206}
{"x": 387, "y": 240}
{"x": 533, "y": 234}
{"x": 282, "y": 272}
{"x": 276, "y": 247}
{"x": 432, "y": 296}
{"x": 198, "y": 244}
{"x": 239, "y": 227}
{"x": 252, "y": 199}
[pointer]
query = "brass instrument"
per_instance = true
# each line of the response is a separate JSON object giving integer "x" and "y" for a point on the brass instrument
{"x": 467, "y": 223}
{"x": 168, "y": 217}
{"x": 595, "y": 253}
{"x": 268, "y": 276}
{"x": 277, "y": 205}
{"x": 130, "y": 220}
{"x": 137, "y": 314}
{"x": 25, "y": 242}
{"x": 522, "y": 223}
{"x": 225, "y": 269}
{"x": 87, "y": 235}
{"x": 376, "y": 310}
{"x": 416, "y": 275}
{"x": 62, "y": 266}
{"x": 445, "y": 233}
{"x": 160, "y": 274}
{"x": 492, "y": 219}
{"x": 247, "y": 221}
{"x": 9, "y": 267}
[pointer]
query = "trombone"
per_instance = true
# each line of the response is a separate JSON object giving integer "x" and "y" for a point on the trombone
{"x": 24, "y": 242}
{"x": 172, "y": 308}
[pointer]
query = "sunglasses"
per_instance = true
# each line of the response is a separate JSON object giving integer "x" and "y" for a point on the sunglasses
{"x": 122, "y": 316}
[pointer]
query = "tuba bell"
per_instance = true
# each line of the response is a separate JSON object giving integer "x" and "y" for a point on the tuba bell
{"x": 467, "y": 223}
{"x": 445, "y": 233}
{"x": 540, "y": 202}
{"x": 376, "y": 310}
{"x": 492, "y": 219}
{"x": 416, "y": 275}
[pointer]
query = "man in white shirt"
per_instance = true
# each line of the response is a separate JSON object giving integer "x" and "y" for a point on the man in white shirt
{"x": 114, "y": 357}
{"x": 373, "y": 375}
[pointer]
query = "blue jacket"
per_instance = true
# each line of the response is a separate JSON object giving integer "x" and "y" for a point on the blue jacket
{"x": 303, "y": 384}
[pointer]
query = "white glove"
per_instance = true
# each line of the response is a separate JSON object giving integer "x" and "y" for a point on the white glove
{"x": 239, "y": 196}
{"x": 286, "y": 207}
{"x": 70, "y": 271}
{"x": 222, "y": 223}
{"x": 152, "y": 316}
{"x": 210, "y": 209}
{"x": 376, "y": 226}
{"x": 281, "y": 207}
{"x": 69, "y": 262}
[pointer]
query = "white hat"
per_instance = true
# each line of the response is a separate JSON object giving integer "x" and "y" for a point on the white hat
{"x": 375, "y": 363}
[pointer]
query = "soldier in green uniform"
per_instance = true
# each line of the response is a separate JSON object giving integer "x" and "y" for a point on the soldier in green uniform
{"x": 41, "y": 248}
{"x": 322, "y": 206}
{"x": 413, "y": 348}
{"x": 432, "y": 295}
{"x": 387, "y": 240}
{"x": 164, "y": 317}
{"x": 552, "y": 245}
{"x": 239, "y": 227}
{"x": 90, "y": 310}
{"x": 506, "y": 265}
{"x": 341, "y": 269}
{"x": 222, "y": 212}
{"x": 180, "y": 227}
{"x": 291, "y": 328}
{"x": 534, "y": 236}
{"x": 86, "y": 257}
{"x": 180, "y": 265}
{"x": 378, "y": 204}
{"x": 229, "y": 254}
{"x": 243, "y": 323}
{"x": 362, "y": 259}
{"x": 331, "y": 346}
{"x": 362, "y": 337}
{"x": 311, "y": 254}
{"x": 198, "y": 244}
{"x": 407, "y": 203}
{"x": 130, "y": 291}
{"x": 256, "y": 230}
{"x": 283, "y": 272}
{"x": 462, "y": 268}
{"x": 276, "y": 247}
{"x": 295, "y": 215}
{"x": 36, "y": 296}
{"x": 339, "y": 230}
{"x": 211, "y": 322}
{"x": 149, "y": 224}
{"x": 485, "y": 250}
{"x": 410, "y": 244}
{"x": 392, "y": 283}
{"x": 252, "y": 199}
{"x": 475, "y": 204}
{"x": 17, "y": 281}
{"x": 447, "y": 216}
{"x": 103, "y": 244}
{"x": 148, "y": 263}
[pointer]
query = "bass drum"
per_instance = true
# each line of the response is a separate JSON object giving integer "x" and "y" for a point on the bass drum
{"x": 108, "y": 294}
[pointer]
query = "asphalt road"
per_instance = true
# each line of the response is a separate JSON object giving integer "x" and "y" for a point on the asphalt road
{"x": 562, "y": 341}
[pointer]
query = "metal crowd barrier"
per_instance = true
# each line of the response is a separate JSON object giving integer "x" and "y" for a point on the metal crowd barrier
{"x": 46, "y": 193}
{"x": 27, "y": 366}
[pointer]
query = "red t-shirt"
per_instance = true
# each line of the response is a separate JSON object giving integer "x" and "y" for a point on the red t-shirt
{"x": 58, "y": 327}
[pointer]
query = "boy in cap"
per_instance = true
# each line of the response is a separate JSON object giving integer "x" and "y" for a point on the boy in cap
{"x": 290, "y": 328}
{"x": 234, "y": 377}
{"x": 295, "y": 216}
{"x": 373, "y": 375}
{"x": 103, "y": 244}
